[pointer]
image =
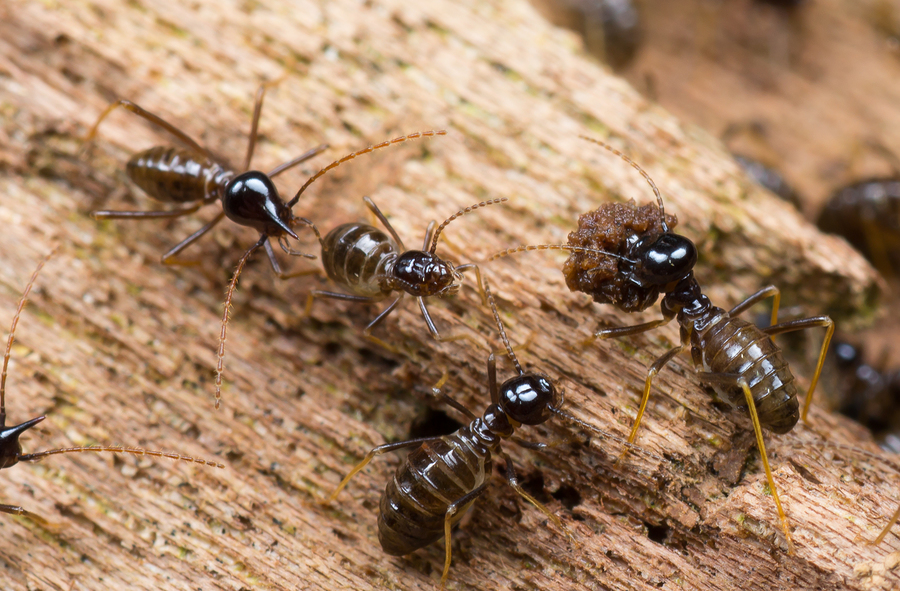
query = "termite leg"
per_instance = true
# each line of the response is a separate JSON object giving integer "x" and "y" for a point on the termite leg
{"x": 376, "y": 451}
{"x": 887, "y": 528}
{"x": 478, "y": 280}
{"x": 384, "y": 221}
{"x": 767, "y": 292}
{"x": 455, "y": 507}
{"x": 169, "y": 257}
{"x": 803, "y": 324}
{"x": 625, "y": 331}
{"x": 645, "y": 397}
{"x": 513, "y": 481}
{"x": 726, "y": 379}
{"x": 154, "y": 119}
{"x": 434, "y": 331}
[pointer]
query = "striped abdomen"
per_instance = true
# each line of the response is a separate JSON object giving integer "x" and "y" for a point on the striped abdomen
{"x": 433, "y": 476}
{"x": 734, "y": 346}
{"x": 177, "y": 174}
{"x": 359, "y": 257}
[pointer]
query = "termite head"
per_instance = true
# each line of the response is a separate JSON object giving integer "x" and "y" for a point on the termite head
{"x": 663, "y": 261}
{"x": 10, "y": 448}
{"x": 252, "y": 200}
{"x": 529, "y": 398}
{"x": 422, "y": 273}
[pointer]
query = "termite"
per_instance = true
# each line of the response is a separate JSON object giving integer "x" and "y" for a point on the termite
{"x": 372, "y": 266}
{"x": 441, "y": 478}
{"x": 329, "y": 264}
{"x": 734, "y": 357}
{"x": 193, "y": 174}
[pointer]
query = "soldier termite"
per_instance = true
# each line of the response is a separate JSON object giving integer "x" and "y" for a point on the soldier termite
{"x": 10, "y": 448}
{"x": 193, "y": 174}
{"x": 441, "y": 478}
{"x": 737, "y": 359}
{"x": 372, "y": 265}
{"x": 427, "y": 267}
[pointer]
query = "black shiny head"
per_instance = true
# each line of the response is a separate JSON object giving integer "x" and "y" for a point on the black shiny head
{"x": 664, "y": 260}
{"x": 422, "y": 273}
{"x": 529, "y": 398}
{"x": 9, "y": 442}
{"x": 252, "y": 200}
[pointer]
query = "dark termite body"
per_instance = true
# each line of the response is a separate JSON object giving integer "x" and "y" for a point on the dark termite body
{"x": 10, "y": 448}
{"x": 193, "y": 174}
{"x": 734, "y": 357}
{"x": 440, "y": 479}
{"x": 867, "y": 214}
{"x": 372, "y": 265}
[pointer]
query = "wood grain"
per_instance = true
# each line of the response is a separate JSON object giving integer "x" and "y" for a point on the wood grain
{"x": 117, "y": 348}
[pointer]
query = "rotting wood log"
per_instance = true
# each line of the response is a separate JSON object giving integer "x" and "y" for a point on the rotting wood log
{"x": 116, "y": 348}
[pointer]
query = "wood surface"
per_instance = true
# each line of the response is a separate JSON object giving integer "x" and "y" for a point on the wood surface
{"x": 117, "y": 348}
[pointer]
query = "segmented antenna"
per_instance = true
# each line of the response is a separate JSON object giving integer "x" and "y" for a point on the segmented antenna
{"x": 385, "y": 144}
{"x": 662, "y": 209}
{"x": 503, "y": 337}
{"x": 220, "y": 363}
{"x": 461, "y": 213}
{"x": 138, "y": 451}
{"x": 12, "y": 333}
{"x": 509, "y": 251}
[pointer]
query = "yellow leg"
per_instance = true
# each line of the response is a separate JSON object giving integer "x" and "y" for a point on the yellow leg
{"x": 767, "y": 292}
{"x": 815, "y": 380}
{"x": 447, "y": 554}
{"x": 514, "y": 483}
{"x": 461, "y": 504}
{"x": 757, "y": 429}
{"x": 887, "y": 528}
{"x": 377, "y": 451}
{"x": 802, "y": 324}
{"x": 651, "y": 373}
{"x": 347, "y": 478}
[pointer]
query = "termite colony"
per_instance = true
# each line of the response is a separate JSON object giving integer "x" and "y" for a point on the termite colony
{"x": 621, "y": 254}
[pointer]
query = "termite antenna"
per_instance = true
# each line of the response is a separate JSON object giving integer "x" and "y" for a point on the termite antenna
{"x": 12, "y": 333}
{"x": 220, "y": 362}
{"x": 503, "y": 337}
{"x": 662, "y": 209}
{"x": 385, "y": 144}
{"x": 461, "y": 213}
{"x": 138, "y": 451}
{"x": 509, "y": 251}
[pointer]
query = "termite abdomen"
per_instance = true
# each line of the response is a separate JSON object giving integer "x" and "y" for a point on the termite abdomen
{"x": 175, "y": 174}
{"x": 355, "y": 255}
{"x": 415, "y": 500}
{"x": 741, "y": 348}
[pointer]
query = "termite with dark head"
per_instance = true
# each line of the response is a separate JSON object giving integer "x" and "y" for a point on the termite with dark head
{"x": 441, "y": 478}
{"x": 192, "y": 174}
{"x": 431, "y": 271}
{"x": 10, "y": 448}
{"x": 734, "y": 357}
{"x": 372, "y": 265}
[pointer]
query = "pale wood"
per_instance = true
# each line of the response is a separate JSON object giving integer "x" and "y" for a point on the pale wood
{"x": 117, "y": 348}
